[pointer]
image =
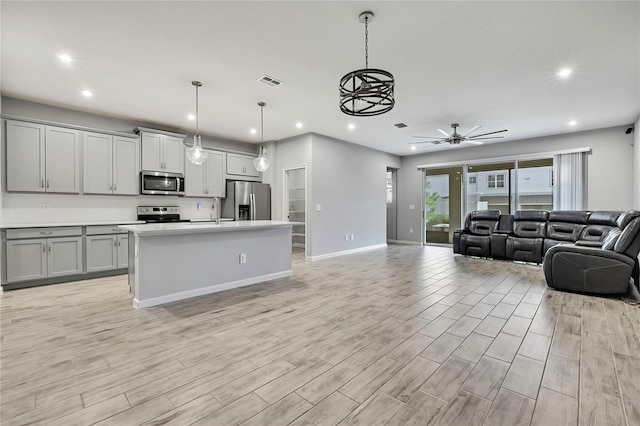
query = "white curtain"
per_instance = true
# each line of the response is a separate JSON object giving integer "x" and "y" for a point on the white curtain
{"x": 570, "y": 186}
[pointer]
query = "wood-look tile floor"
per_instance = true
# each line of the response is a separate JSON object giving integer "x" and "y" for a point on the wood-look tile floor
{"x": 402, "y": 335}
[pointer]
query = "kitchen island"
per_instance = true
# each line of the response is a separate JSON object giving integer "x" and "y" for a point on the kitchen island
{"x": 175, "y": 261}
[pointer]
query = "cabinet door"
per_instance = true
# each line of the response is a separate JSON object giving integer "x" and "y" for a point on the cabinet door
{"x": 173, "y": 155}
{"x": 194, "y": 178}
{"x": 125, "y": 166}
{"x": 101, "y": 253}
{"x": 64, "y": 256}
{"x": 96, "y": 166}
{"x": 122, "y": 245}
{"x": 214, "y": 174}
{"x": 235, "y": 164}
{"x": 26, "y": 259}
{"x": 62, "y": 162}
{"x": 25, "y": 157}
{"x": 152, "y": 152}
{"x": 249, "y": 168}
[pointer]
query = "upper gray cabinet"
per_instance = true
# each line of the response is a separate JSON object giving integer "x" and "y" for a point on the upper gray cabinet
{"x": 111, "y": 164}
{"x": 206, "y": 180}
{"x": 42, "y": 158}
{"x": 161, "y": 151}
{"x": 241, "y": 165}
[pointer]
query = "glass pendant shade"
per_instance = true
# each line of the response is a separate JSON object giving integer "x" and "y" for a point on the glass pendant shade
{"x": 196, "y": 154}
{"x": 262, "y": 162}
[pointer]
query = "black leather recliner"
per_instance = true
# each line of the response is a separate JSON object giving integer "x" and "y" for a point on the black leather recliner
{"x": 604, "y": 270}
{"x": 475, "y": 238}
{"x": 564, "y": 226}
{"x": 529, "y": 231}
{"x": 599, "y": 224}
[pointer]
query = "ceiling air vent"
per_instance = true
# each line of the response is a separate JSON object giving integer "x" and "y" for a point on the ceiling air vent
{"x": 400, "y": 125}
{"x": 270, "y": 81}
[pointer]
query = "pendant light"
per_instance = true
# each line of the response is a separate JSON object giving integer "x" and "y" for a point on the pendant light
{"x": 196, "y": 154}
{"x": 366, "y": 92}
{"x": 262, "y": 162}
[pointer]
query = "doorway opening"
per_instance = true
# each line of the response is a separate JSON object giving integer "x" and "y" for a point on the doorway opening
{"x": 295, "y": 206}
{"x": 392, "y": 210}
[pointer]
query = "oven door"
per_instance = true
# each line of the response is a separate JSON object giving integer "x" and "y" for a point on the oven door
{"x": 161, "y": 183}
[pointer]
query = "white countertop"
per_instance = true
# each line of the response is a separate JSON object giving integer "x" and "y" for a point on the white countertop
{"x": 87, "y": 223}
{"x": 150, "y": 229}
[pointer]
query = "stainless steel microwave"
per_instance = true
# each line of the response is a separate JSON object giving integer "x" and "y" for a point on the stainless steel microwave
{"x": 161, "y": 183}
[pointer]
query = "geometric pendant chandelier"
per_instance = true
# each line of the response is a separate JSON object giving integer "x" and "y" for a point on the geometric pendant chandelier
{"x": 366, "y": 92}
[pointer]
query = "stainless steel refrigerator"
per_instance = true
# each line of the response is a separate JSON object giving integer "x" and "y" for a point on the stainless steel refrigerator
{"x": 247, "y": 201}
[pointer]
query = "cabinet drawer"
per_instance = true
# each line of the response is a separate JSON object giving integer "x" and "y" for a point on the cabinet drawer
{"x": 66, "y": 231}
{"x": 104, "y": 229}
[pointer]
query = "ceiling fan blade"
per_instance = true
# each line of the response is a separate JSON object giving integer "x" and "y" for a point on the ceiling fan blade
{"x": 418, "y": 143}
{"x": 428, "y": 137}
{"x": 473, "y": 129}
{"x": 473, "y": 142}
{"x": 490, "y": 133}
{"x": 444, "y": 133}
{"x": 479, "y": 139}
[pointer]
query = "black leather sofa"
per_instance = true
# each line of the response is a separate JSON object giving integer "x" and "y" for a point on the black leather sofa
{"x": 585, "y": 251}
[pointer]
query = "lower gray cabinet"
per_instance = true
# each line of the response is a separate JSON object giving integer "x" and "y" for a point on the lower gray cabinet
{"x": 109, "y": 249}
{"x": 31, "y": 259}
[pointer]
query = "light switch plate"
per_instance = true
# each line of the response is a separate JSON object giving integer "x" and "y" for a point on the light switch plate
{"x": 412, "y": 206}
{"x": 318, "y": 207}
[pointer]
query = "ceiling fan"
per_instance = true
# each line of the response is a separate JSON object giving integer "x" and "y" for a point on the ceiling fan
{"x": 455, "y": 138}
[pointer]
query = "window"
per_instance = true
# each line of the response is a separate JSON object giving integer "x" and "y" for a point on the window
{"x": 495, "y": 181}
{"x": 472, "y": 180}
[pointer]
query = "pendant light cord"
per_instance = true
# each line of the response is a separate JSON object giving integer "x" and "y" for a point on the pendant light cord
{"x": 262, "y": 124}
{"x": 366, "y": 42}
{"x": 197, "y": 114}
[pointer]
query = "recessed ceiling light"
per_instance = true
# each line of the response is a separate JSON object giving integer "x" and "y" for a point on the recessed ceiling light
{"x": 413, "y": 148}
{"x": 253, "y": 131}
{"x": 191, "y": 117}
{"x": 87, "y": 93}
{"x": 65, "y": 58}
{"x": 351, "y": 126}
{"x": 565, "y": 72}
{"x": 299, "y": 125}
{"x": 572, "y": 123}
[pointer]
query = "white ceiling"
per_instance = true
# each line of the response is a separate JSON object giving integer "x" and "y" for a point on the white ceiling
{"x": 487, "y": 63}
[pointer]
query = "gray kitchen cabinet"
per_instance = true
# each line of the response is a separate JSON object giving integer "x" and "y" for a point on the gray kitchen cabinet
{"x": 206, "y": 180}
{"x": 110, "y": 164}
{"x": 107, "y": 248}
{"x": 31, "y": 259}
{"x": 162, "y": 152}
{"x": 241, "y": 165}
{"x": 42, "y": 158}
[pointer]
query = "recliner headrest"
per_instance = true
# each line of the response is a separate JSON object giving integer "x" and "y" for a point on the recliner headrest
{"x": 628, "y": 235}
{"x": 626, "y": 217}
{"x": 531, "y": 215}
{"x": 569, "y": 216}
{"x": 603, "y": 218}
{"x": 485, "y": 215}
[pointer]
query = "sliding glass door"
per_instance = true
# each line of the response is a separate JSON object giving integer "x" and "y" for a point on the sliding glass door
{"x": 443, "y": 203}
{"x": 490, "y": 187}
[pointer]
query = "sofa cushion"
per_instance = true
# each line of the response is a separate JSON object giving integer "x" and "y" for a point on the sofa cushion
{"x": 628, "y": 236}
{"x": 608, "y": 218}
{"x": 482, "y": 222}
{"x": 569, "y": 216}
{"x": 530, "y": 223}
{"x": 626, "y": 217}
{"x": 611, "y": 239}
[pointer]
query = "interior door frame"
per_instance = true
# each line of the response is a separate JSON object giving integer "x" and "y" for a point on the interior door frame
{"x": 285, "y": 201}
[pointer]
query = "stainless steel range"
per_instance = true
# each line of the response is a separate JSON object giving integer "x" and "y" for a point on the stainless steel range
{"x": 160, "y": 214}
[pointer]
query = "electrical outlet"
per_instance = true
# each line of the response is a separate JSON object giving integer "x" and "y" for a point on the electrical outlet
{"x": 243, "y": 257}
{"x": 198, "y": 206}
{"x": 318, "y": 207}
{"x": 346, "y": 237}
{"x": 351, "y": 237}
{"x": 411, "y": 230}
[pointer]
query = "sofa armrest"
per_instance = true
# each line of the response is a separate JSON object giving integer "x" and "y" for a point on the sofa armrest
{"x": 593, "y": 252}
{"x": 501, "y": 232}
{"x": 588, "y": 243}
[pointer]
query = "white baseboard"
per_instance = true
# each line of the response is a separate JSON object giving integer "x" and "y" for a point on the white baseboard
{"x": 404, "y": 242}
{"x": 342, "y": 253}
{"x": 154, "y": 301}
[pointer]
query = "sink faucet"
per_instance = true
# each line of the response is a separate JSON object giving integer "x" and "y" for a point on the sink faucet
{"x": 216, "y": 204}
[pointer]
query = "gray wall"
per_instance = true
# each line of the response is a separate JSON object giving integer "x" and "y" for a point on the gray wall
{"x": 349, "y": 183}
{"x": 636, "y": 165}
{"x": 610, "y": 182}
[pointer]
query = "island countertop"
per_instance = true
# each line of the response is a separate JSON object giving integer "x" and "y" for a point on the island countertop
{"x": 151, "y": 229}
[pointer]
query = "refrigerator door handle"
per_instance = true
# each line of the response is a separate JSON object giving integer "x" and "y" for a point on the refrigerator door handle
{"x": 253, "y": 206}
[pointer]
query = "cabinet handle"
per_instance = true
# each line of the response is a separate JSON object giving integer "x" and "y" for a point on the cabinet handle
{"x": 114, "y": 186}
{"x": 42, "y": 184}
{"x": 47, "y": 183}
{"x": 115, "y": 229}
{"x": 44, "y": 249}
{"x": 46, "y": 232}
{"x": 49, "y": 247}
